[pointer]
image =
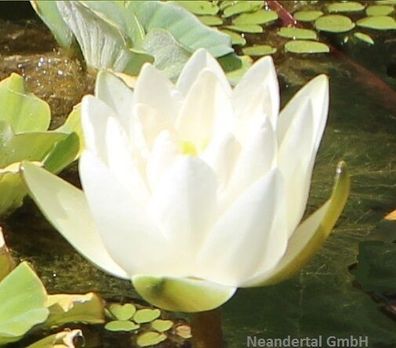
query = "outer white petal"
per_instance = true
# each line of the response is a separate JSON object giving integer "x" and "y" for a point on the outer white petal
{"x": 184, "y": 203}
{"x": 201, "y": 59}
{"x": 257, "y": 94}
{"x": 116, "y": 94}
{"x": 206, "y": 110}
{"x": 295, "y": 161}
{"x": 316, "y": 91}
{"x": 128, "y": 232}
{"x": 154, "y": 88}
{"x": 243, "y": 236}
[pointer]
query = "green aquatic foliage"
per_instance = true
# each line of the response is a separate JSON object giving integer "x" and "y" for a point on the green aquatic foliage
{"x": 307, "y": 15}
{"x": 306, "y": 46}
{"x": 364, "y": 37}
{"x": 379, "y": 10}
{"x": 377, "y": 23}
{"x": 347, "y": 6}
{"x": 63, "y": 339}
{"x": 24, "y": 120}
{"x": 297, "y": 33}
{"x": 258, "y": 50}
{"x": 149, "y": 339}
{"x": 7, "y": 263}
{"x": 334, "y": 24}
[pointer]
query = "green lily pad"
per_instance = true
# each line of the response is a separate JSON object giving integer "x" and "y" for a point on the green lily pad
{"x": 235, "y": 75}
{"x": 211, "y": 20}
{"x": 334, "y": 24}
{"x": 259, "y": 50}
{"x": 122, "y": 312}
{"x": 364, "y": 37}
{"x": 242, "y": 7}
{"x": 236, "y": 38}
{"x": 121, "y": 325}
{"x": 198, "y": 7}
{"x": 258, "y": 17}
{"x": 59, "y": 340}
{"x": 150, "y": 338}
{"x": 161, "y": 325}
{"x": 379, "y": 10}
{"x": 305, "y": 46}
{"x": 246, "y": 28}
{"x": 377, "y": 22}
{"x": 307, "y": 16}
{"x": 146, "y": 315}
{"x": 348, "y": 6}
{"x": 297, "y": 33}
{"x": 386, "y": 2}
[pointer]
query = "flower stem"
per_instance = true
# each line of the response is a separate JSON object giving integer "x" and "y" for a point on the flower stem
{"x": 207, "y": 330}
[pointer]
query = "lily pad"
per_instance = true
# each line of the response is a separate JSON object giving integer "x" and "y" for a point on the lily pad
{"x": 305, "y": 46}
{"x": 183, "y": 331}
{"x": 258, "y": 17}
{"x": 236, "y": 38}
{"x": 377, "y": 22}
{"x": 379, "y": 10}
{"x": 242, "y": 7}
{"x": 297, "y": 33}
{"x": 198, "y": 7}
{"x": 364, "y": 37}
{"x": 64, "y": 339}
{"x": 347, "y": 6}
{"x": 146, "y": 315}
{"x": 161, "y": 325}
{"x": 386, "y": 2}
{"x": 307, "y": 16}
{"x": 6, "y": 262}
{"x": 259, "y": 50}
{"x": 122, "y": 312}
{"x": 246, "y": 28}
{"x": 211, "y": 20}
{"x": 334, "y": 24}
{"x": 121, "y": 325}
{"x": 150, "y": 338}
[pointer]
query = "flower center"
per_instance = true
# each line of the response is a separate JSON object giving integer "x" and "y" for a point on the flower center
{"x": 188, "y": 148}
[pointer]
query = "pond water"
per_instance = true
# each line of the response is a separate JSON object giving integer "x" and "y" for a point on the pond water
{"x": 323, "y": 299}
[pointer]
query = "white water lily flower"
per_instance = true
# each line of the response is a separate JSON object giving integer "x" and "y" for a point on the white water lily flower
{"x": 195, "y": 189}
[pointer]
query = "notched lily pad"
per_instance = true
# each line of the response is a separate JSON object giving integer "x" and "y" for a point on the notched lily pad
{"x": 297, "y": 33}
{"x": 307, "y": 16}
{"x": 259, "y": 50}
{"x": 162, "y": 325}
{"x": 305, "y": 46}
{"x": 334, "y": 24}
{"x": 122, "y": 312}
{"x": 121, "y": 325}
{"x": 146, "y": 315}
{"x": 347, "y": 6}
{"x": 377, "y": 22}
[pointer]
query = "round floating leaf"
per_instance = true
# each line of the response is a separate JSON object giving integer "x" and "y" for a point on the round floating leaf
{"x": 242, "y": 7}
{"x": 122, "y": 312}
{"x": 334, "y": 24}
{"x": 364, "y": 37}
{"x": 146, "y": 315}
{"x": 150, "y": 338}
{"x": 377, "y": 22}
{"x": 305, "y": 46}
{"x": 246, "y": 28}
{"x": 386, "y": 2}
{"x": 297, "y": 33}
{"x": 307, "y": 16}
{"x": 259, "y": 50}
{"x": 258, "y": 17}
{"x": 211, "y": 20}
{"x": 198, "y": 7}
{"x": 379, "y": 10}
{"x": 121, "y": 325}
{"x": 236, "y": 38}
{"x": 161, "y": 325}
{"x": 183, "y": 331}
{"x": 348, "y": 6}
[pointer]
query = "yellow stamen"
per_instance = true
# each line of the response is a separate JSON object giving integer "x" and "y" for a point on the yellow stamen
{"x": 188, "y": 148}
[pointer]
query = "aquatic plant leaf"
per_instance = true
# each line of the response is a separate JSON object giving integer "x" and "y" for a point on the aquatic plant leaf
{"x": 22, "y": 303}
{"x": 305, "y": 46}
{"x": 246, "y": 28}
{"x": 211, "y": 20}
{"x": 66, "y": 208}
{"x": 146, "y": 315}
{"x": 49, "y": 14}
{"x": 150, "y": 338}
{"x": 386, "y": 2}
{"x": 242, "y": 7}
{"x": 7, "y": 264}
{"x": 364, "y": 37}
{"x": 334, "y": 23}
{"x": 258, "y": 50}
{"x": 65, "y": 308}
{"x": 259, "y": 17}
{"x": 235, "y": 75}
{"x": 182, "y": 294}
{"x": 122, "y": 312}
{"x": 236, "y": 38}
{"x": 187, "y": 30}
{"x": 377, "y": 22}
{"x": 198, "y": 7}
{"x": 183, "y": 331}
{"x": 348, "y": 6}
{"x": 63, "y": 339}
{"x": 297, "y": 33}
{"x": 22, "y": 110}
{"x": 162, "y": 325}
{"x": 312, "y": 232}
{"x": 121, "y": 325}
{"x": 379, "y": 10}
{"x": 307, "y": 16}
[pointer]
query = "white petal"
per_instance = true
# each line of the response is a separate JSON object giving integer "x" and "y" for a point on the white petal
{"x": 154, "y": 89}
{"x": 200, "y": 60}
{"x": 257, "y": 94}
{"x": 242, "y": 238}
{"x": 128, "y": 232}
{"x": 317, "y": 92}
{"x": 184, "y": 203}
{"x": 206, "y": 111}
{"x": 116, "y": 94}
